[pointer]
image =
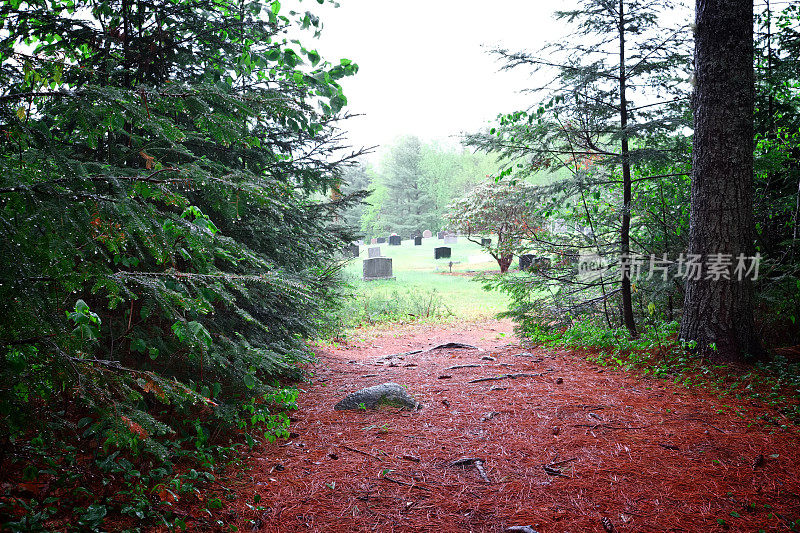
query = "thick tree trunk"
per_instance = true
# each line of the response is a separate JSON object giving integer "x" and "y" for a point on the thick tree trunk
{"x": 625, "y": 230}
{"x": 718, "y": 314}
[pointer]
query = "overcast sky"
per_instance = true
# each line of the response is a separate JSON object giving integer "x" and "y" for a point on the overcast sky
{"x": 423, "y": 64}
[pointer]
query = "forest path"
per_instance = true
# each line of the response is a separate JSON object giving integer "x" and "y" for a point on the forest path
{"x": 562, "y": 447}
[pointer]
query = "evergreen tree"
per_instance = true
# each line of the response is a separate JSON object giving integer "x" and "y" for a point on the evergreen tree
{"x": 777, "y": 169}
{"x": 612, "y": 111}
{"x": 407, "y": 206}
{"x": 718, "y": 312}
{"x": 355, "y": 179}
{"x": 163, "y": 256}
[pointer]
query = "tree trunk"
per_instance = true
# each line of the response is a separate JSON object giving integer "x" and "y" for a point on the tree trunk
{"x": 625, "y": 230}
{"x": 718, "y": 315}
{"x": 504, "y": 261}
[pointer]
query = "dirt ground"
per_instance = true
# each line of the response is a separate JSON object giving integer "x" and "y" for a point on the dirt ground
{"x": 563, "y": 447}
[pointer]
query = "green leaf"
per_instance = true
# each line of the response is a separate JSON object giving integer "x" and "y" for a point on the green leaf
{"x": 138, "y": 345}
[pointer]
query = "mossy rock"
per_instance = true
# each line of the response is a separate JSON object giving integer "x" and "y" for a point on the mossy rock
{"x": 386, "y": 394}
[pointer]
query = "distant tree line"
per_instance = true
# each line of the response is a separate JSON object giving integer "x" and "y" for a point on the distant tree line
{"x": 413, "y": 186}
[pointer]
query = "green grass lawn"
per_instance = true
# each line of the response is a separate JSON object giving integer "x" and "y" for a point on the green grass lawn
{"x": 423, "y": 287}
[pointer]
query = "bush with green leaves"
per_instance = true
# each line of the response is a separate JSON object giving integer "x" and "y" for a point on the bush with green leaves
{"x": 165, "y": 251}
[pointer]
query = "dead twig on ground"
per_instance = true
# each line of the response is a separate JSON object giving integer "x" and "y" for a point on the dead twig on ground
{"x": 361, "y": 452}
{"x": 508, "y": 376}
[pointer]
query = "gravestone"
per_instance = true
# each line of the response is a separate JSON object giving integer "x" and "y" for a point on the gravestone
{"x": 427, "y": 234}
{"x": 442, "y": 252}
{"x": 374, "y": 252}
{"x": 486, "y": 242}
{"x": 450, "y": 239}
{"x": 525, "y": 261}
{"x": 440, "y": 235}
{"x": 374, "y": 241}
{"x": 417, "y": 241}
{"x": 352, "y": 250}
{"x": 381, "y": 240}
{"x": 395, "y": 240}
{"x": 378, "y": 268}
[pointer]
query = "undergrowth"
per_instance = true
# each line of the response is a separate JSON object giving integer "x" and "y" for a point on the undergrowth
{"x": 95, "y": 475}
{"x": 657, "y": 352}
{"x": 395, "y": 306}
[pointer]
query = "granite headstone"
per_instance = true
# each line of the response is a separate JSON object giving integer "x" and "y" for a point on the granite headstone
{"x": 525, "y": 261}
{"x": 377, "y": 268}
{"x": 442, "y": 252}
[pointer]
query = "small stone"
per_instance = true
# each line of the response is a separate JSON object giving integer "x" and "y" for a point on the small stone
{"x": 497, "y": 387}
{"x": 520, "y": 529}
{"x": 556, "y": 430}
{"x": 488, "y": 358}
{"x": 559, "y": 381}
{"x": 445, "y": 376}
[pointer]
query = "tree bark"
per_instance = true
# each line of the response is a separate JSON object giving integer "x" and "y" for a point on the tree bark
{"x": 625, "y": 231}
{"x": 718, "y": 314}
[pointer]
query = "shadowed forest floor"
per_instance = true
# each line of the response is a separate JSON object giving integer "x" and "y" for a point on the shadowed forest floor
{"x": 563, "y": 446}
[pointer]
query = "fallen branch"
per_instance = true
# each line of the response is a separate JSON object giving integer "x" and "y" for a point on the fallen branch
{"x": 553, "y": 468}
{"x": 413, "y": 486}
{"x": 553, "y": 471}
{"x": 360, "y": 451}
{"x": 456, "y": 367}
{"x": 592, "y": 427}
{"x": 704, "y": 422}
{"x": 478, "y": 462}
{"x": 453, "y": 346}
{"x": 506, "y": 376}
{"x": 464, "y": 461}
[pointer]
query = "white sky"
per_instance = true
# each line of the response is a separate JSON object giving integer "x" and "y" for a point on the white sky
{"x": 423, "y": 65}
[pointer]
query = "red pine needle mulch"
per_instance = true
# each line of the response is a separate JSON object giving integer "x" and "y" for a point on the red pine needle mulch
{"x": 646, "y": 454}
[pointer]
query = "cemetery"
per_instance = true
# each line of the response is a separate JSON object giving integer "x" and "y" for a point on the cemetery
{"x": 416, "y": 271}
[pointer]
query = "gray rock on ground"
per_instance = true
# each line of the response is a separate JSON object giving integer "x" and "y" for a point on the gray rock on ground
{"x": 390, "y": 394}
